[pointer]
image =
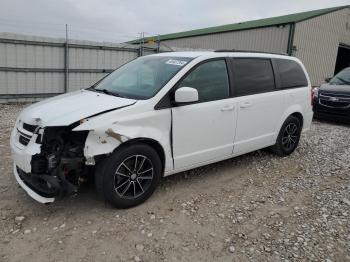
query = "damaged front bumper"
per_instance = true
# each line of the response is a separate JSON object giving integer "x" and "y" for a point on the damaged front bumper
{"x": 33, "y": 194}
{"x": 22, "y": 156}
{"x": 43, "y": 187}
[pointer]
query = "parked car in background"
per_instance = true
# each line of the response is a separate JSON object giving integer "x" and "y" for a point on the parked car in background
{"x": 159, "y": 115}
{"x": 332, "y": 99}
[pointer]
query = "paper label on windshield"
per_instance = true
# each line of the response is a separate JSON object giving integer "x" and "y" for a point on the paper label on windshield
{"x": 176, "y": 62}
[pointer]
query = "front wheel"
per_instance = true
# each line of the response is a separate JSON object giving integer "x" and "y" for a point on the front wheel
{"x": 288, "y": 137}
{"x": 129, "y": 176}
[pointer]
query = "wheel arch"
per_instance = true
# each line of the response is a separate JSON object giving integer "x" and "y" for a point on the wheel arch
{"x": 294, "y": 110}
{"x": 300, "y": 117}
{"x": 150, "y": 142}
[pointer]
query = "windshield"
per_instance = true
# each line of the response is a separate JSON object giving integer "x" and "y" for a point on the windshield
{"x": 342, "y": 78}
{"x": 143, "y": 77}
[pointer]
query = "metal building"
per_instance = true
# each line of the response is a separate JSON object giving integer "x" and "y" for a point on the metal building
{"x": 320, "y": 38}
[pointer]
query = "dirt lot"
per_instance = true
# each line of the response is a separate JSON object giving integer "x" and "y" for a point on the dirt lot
{"x": 257, "y": 207}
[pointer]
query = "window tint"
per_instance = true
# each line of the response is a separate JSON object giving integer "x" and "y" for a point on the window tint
{"x": 253, "y": 76}
{"x": 291, "y": 74}
{"x": 210, "y": 79}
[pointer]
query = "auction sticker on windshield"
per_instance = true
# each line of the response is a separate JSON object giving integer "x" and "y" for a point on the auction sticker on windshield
{"x": 176, "y": 62}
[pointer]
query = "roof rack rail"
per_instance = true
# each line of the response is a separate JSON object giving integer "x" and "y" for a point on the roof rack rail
{"x": 249, "y": 51}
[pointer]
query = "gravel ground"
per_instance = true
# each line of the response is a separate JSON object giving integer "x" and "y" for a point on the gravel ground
{"x": 257, "y": 207}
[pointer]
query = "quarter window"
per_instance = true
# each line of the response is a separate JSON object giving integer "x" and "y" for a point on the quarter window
{"x": 210, "y": 79}
{"x": 252, "y": 76}
{"x": 291, "y": 74}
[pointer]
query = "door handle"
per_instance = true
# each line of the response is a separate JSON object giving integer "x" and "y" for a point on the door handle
{"x": 245, "y": 105}
{"x": 227, "y": 108}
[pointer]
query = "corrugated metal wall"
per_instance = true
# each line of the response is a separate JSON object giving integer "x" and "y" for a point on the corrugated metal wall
{"x": 317, "y": 40}
{"x": 81, "y": 58}
{"x": 269, "y": 39}
{"x": 35, "y": 65}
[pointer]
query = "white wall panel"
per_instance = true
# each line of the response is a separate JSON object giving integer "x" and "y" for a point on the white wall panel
{"x": 27, "y": 56}
{"x": 98, "y": 59}
{"x": 31, "y": 83}
{"x": 36, "y": 56}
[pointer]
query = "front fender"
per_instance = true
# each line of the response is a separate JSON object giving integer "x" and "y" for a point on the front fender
{"x": 104, "y": 139}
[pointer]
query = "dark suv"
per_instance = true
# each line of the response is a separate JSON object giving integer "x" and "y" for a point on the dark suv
{"x": 332, "y": 99}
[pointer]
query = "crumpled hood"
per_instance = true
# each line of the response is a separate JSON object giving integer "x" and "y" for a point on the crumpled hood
{"x": 68, "y": 108}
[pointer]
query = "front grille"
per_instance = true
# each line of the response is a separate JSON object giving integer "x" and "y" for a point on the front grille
{"x": 334, "y": 104}
{"x": 334, "y": 100}
{"x": 345, "y": 96}
{"x": 25, "y": 133}
{"x": 23, "y": 140}
{"x": 30, "y": 128}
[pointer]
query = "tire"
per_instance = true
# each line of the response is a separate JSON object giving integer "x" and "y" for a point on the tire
{"x": 124, "y": 184}
{"x": 288, "y": 137}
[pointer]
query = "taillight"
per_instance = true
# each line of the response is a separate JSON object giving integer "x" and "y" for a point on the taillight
{"x": 314, "y": 95}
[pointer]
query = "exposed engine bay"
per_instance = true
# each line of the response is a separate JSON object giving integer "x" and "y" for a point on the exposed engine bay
{"x": 60, "y": 166}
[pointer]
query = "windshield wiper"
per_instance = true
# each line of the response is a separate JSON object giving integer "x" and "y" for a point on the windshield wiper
{"x": 107, "y": 92}
{"x": 91, "y": 88}
{"x": 104, "y": 91}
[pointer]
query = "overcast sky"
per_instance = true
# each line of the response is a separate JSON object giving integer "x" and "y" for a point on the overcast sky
{"x": 121, "y": 20}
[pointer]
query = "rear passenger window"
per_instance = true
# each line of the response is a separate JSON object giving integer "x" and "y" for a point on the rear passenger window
{"x": 253, "y": 76}
{"x": 210, "y": 79}
{"x": 291, "y": 74}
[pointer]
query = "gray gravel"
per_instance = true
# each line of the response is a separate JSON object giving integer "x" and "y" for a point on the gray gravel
{"x": 257, "y": 207}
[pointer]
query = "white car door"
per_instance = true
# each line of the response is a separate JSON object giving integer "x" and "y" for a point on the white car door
{"x": 204, "y": 131}
{"x": 260, "y": 104}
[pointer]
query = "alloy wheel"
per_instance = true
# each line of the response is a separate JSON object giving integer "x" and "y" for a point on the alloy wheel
{"x": 290, "y": 136}
{"x": 133, "y": 176}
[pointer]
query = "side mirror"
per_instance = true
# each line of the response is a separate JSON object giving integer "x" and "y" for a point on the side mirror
{"x": 328, "y": 79}
{"x": 186, "y": 95}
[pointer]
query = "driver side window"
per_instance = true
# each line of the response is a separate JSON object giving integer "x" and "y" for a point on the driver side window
{"x": 210, "y": 79}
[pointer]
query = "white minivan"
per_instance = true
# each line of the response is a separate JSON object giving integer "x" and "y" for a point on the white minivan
{"x": 158, "y": 115}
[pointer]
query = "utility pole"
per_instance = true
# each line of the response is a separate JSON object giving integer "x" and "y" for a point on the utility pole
{"x": 158, "y": 43}
{"x": 66, "y": 63}
{"x": 142, "y": 35}
{"x": 143, "y": 41}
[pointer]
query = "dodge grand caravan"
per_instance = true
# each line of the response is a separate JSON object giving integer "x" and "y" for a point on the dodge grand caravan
{"x": 158, "y": 115}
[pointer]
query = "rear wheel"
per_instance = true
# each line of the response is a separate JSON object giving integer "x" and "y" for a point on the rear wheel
{"x": 288, "y": 137}
{"x": 129, "y": 176}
